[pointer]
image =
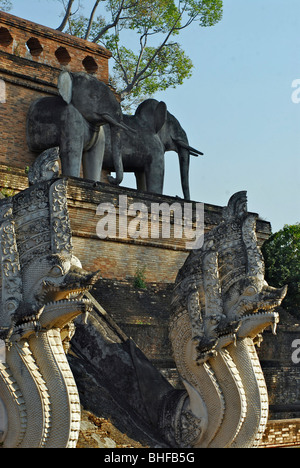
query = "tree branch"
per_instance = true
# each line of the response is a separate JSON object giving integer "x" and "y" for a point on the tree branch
{"x": 137, "y": 76}
{"x": 144, "y": 38}
{"x": 119, "y": 61}
{"x": 67, "y": 16}
{"x": 111, "y": 25}
{"x": 91, "y": 20}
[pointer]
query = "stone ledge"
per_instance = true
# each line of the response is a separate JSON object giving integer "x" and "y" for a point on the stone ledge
{"x": 282, "y": 433}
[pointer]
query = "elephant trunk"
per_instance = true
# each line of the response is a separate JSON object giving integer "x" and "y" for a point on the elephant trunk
{"x": 184, "y": 163}
{"x": 181, "y": 145}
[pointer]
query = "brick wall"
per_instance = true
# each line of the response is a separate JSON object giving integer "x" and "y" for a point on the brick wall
{"x": 282, "y": 433}
{"x": 120, "y": 258}
{"x": 31, "y": 59}
{"x": 144, "y": 318}
{"x": 281, "y": 373}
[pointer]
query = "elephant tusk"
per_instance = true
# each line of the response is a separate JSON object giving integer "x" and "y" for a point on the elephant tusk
{"x": 193, "y": 151}
{"x": 110, "y": 120}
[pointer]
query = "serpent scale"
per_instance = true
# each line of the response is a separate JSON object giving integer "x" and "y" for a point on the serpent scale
{"x": 253, "y": 428}
{"x": 62, "y": 389}
{"x": 15, "y": 407}
{"x": 221, "y": 302}
{"x": 23, "y": 367}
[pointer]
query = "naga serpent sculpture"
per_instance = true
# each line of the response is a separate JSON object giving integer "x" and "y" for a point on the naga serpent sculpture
{"x": 221, "y": 305}
{"x": 42, "y": 287}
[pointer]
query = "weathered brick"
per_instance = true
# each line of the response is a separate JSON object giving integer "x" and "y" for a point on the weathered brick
{"x": 281, "y": 433}
{"x": 31, "y": 59}
{"x": 120, "y": 258}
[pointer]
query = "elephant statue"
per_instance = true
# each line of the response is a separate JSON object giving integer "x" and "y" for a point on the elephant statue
{"x": 156, "y": 131}
{"x": 73, "y": 121}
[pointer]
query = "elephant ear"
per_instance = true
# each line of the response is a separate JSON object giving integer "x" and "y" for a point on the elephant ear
{"x": 65, "y": 86}
{"x": 160, "y": 116}
{"x": 153, "y": 114}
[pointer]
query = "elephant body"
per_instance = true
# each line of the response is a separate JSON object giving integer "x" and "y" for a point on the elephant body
{"x": 142, "y": 154}
{"x": 86, "y": 122}
{"x": 156, "y": 131}
{"x": 74, "y": 122}
{"x": 57, "y": 124}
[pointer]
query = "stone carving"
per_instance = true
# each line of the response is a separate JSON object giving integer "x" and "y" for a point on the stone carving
{"x": 45, "y": 167}
{"x": 156, "y": 131}
{"x": 42, "y": 287}
{"x": 86, "y": 126}
{"x": 73, "y": 121}
{"x": 220, "y": 307}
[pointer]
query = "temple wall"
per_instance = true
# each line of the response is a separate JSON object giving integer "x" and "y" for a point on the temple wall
{"x": 31, "y": 59}
{"x": 120, "y": 257}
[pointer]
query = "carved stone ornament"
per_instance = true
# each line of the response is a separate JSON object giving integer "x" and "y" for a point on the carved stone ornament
{"x": 41, "y": 292}
{"x": 221, "y": 304}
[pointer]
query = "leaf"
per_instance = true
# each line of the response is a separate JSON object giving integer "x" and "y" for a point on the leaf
{"x": 282, "y": 259}
{"x": 5, "y": 5}
{"x": 153, "y": 61}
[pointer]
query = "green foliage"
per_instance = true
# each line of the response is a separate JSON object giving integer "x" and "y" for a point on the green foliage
{"x": 169, "y": 68}
{"x": 140, "y": 278}
{"x": 6, "y": 192}
{"x": 282, "y": 259}
{"x": 140, "y": 34}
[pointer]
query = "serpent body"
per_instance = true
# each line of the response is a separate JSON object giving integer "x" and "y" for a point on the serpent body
{"x": 221, "y": 303}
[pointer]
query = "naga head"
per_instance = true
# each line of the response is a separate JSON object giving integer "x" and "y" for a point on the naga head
{"x": 57, "y": 284}
{"x": 54, "y": 278}
{"x": 45, "y": 167}
{"x": 246, "y": 296}
{"x": 230, "y": 298}
{"x": 42, "y": 282}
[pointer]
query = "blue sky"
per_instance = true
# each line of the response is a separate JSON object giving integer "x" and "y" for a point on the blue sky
{"x": 237, "y": 108}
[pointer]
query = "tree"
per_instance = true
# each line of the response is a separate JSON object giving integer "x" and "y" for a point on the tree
{"x": 5, "y": 5}
{"x": 282, "y": 258}
{"x": 154, "y": 61}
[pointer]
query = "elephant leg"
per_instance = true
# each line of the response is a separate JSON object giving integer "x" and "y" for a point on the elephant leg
{"x": 92, "y": 160}
{"x": 71, "y": 142}
{"x": 141, "y": 181}
{"x": 155, "y": 176}
{"x": 71, "y": 160}
{"x": 117, "y": 156}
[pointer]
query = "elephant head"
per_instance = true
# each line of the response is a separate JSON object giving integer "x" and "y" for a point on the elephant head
{"x": 172, "y": 136}
{"x": 153, "y": 114}
{"x": 98, "y": 105}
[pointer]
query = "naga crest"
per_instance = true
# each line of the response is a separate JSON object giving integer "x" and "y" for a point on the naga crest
{"x": 41, "y": 291}
{"x": 221, "y": 303}
{"x": 222, "y": 287}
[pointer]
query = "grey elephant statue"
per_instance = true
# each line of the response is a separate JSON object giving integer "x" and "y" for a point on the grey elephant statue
{"x": 73, "y": 121}
{"x": 156, "y": 131}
